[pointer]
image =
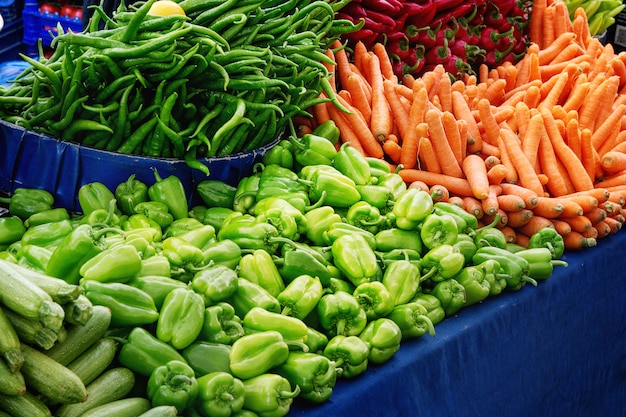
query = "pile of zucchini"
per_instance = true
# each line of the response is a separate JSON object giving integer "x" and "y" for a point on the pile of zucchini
{"x": 54, "y": 356}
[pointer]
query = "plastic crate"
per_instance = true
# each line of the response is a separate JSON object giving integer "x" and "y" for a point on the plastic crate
{"x": 11, "y": 41}
{"x": 43, "y": 26}
{"x": 10, "y": 10}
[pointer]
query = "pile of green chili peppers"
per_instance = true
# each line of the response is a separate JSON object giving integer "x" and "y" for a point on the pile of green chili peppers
{"x": 223, "y": 79}
{"x": 275, "y": 287}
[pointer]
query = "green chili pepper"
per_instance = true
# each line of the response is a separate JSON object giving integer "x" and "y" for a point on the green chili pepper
{"x": 206, "y": 357}
{"x": 473, "y": 279}
{"x": 221, "y": 324}
{"x": 281, "y": 154}
{"x": 171, "y": 192}
{"x": 156, "y": 286}
{"x": 156, "y": 212}
{"x": 395, "y": 238}
{"x": 412, "y": 319}
{"x": 365, "y": 216}
{"x": 106, "y": 217}
{"x": 300, "y": 296}
{"x": 94, "y": 196}
{"x": 350, "y": 162}
{"x": 466, "y": 246}
{"x": 11, "y": 230}
{"x": 451, "y": 294}
{"x": 437, "y": 230}
{"x": 33, "y": 257}
{"x": 180, "y": 318}
{"x": 300, "y": 259}
{"x": 339, "y": 229}
{"x": 441, "y": 263}
{"x": 374, "y": 298}
{"x": 173, "y": 384}
{"x": 116, "y": 264}
{"x": 142, "y": 353}
{"x": 220, "y": 394}
{"x": 276, "y": 180}
{"x": 28, "y": 201}
{"x": 284, "y": 222}
{"x": 155, "y": 265}
{"x": 180, "y": 253}
{"x": 494, "y": 275}
{"x": 254, "y": 354}
{"x": 434, "y": 310}
{"x": 402, "y": 280}
{"x": 411, "y": 208}
{"x": 540, "y": 262}
{"x": 340, "y": 313}
{"x": 271, "y": 204}
{"x": 549, "y": 238}
{"x": 269, "y": 395}
{"x": 319, "y": 220}
{"x": 355, "y": 258}
{"x": 129, "y": 306}
{"x": 130, "y": 193}
{"x": 383, "y": 337}
{"x": 216, "y": 193}
{"x": 260, "y": 320}
{"x": 350, "y": 354}
{"x": 514, "y": 267}
{"x": 200, "y": 237}
{"x": 47, "y": 216}
{"x": 215, "y": 283}
{"x": 249, "y": 295}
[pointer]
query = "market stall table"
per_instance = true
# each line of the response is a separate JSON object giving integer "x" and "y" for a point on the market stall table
{"x": 558, "y": 349}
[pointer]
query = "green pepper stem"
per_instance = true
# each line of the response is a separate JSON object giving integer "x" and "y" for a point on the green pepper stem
{"x": 289, "y": 394}
{"x": 5, "y": 200}
{"x": 558, "y": 262}
{"x": 432, "y": 271}
{"x": 286, "y": 311}
{"x": 529, "y": 280}
{"x": 297, "y": 344}
{"x": 341, "y": 326}
{"x": 428, "y": 322}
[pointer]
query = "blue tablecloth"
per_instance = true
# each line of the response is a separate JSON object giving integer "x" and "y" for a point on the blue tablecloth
{"x": 558, "y": 349}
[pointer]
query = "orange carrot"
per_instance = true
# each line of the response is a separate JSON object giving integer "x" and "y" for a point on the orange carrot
{"x": 490, "y": 203}
{"x": 456, "y": 200}
{"x": 521, "y": 239}
{"x": 561, "y": 226}
{"x": 571, "y": 207}
{"x": 453, "y": 135}
{"x": 359, "y": 97}
{"x": 587, "y": 153}
{"x": 580, "y": 224}
{"x": 445, "y": 91}
{"x": 550, "y": 166}
{"x": 585, "y": 201}
{"x": 368, "y": 142}
{"x": 456, "y": 185}
{"x": 496, "y": 174}
{"x": 381, "y": 119}
{"x": 603, "y": 229}
{"x": 596, "y": 215}
{"x": 462, "y": 111}
{"x": 548, "y": 53}
{"x": 392, "y": 149}
{"x": 519, "y": 218}
{"x": 529, "y": 196}
{"x": 473, "y": 206}
{"x": 535, "y": 224}
{"x": 576, "y": 241}
{"x": 427, "y": 154}
{"x": 386, "y": 67}
{"x": 448, "y": 162}
{"x": 525, "y": 171}
{"x": 613, "y": 161}
{"x": 347, "y": 133}
{"x": 509, "y": 233}
{"x": 398, "y": 112}
{"x": 476, "y": 173}
{"x": 609, "y": 127}
{"x": 548, "y": 207}
{"x": 439, "y": 193}
{"x": 511, "y": 202}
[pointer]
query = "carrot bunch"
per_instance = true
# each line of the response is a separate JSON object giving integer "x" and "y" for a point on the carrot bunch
{"x": 542, "y": 142}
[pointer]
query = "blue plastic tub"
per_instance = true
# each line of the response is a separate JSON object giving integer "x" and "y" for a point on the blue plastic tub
{"x": 43, "y": 26}
{"x": 32, "y": 160}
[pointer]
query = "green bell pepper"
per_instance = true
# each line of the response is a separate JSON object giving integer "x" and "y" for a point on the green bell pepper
{"x": 249, "y": 295}
{"x": 200, "y": 237}
{"x": 180, "y": 227}
{"x": 285, "y": 223}
{"x": 221, "y": 325}
{"x": 469, "y": 219}
{"x": 171, "y": 192}
{"x": 11, "y": 230}
{"x": 215, "y": 216}
{"x": 28, "y": 201}
{"x": 310, "y": 149}
{"x": 256, "y": 353}
{"x": 365, "y": 216}
{"x": 340, "y": 313}
{"x": 94, "y": 196}
{"x": 438, "y": 230}
{"x": 130, "y": 193}
{"x": 198, "y": 211}
{"x": 494, "y": 275}
{"x": 378, "y": 196}
{"x": 105, "y": 217}
{"x": 514, "y": 267}
{"x": 394, "y": 238}
{"x": 336, "y": 230}
{"x": 328, "y": 130}
{"x": 281, "y": 154}
{"x": 47, "y": 216}
{"x": 300, "y": 296}
{"x": 215, "y": 283}
{"x": 383, "y": 337}
{"x": 351, "y": 162}
{"x": 549, "y": 238}
{"x": 260, "y": 320}
{"x": 319, "y": 220}
{"x": 393, "y": 182}
{"x": 246, "y": 193}
{"x": 33, "y": 257}
{"x": 222, "y": 252}
{"x": 155, "y": 265}
{"x": 129, "y": 305}
{"x": 155, "y": 211}
{"x": 350, "y": 354}
{"x": 180, "y": 253}
{"x": 173, "y": 384}
{"x": 181, "y": 318}
{"x": 434, "y": 310}
{"x": 220, "y": 394}
{"x": 259, "y": 267}
{"x": 355, "y": 258}
{"x": 300, "y": 259}
{"x": 466, "y": 246}
{"x": 206, "y": 357}
{"x": 269, "y": 205}
{"x": 269, "y": 395}
{"x": 340, "y": 284}
{"x": 489, "y": 235}
{"x": 411, "y": 208}
{"x": 142, "y": 353}
{"x": 374, "y": 298}
{"x": 141, "y": 221}
{"x": 402, "y": 280}
{"x": 315, "y": 340}
{"x": 216, "y": 193}
{"x": 156, "y": 286}
{"x": 314, "y": 373}
{"x": 247, "y": 233}
{"x": 440, "y": 263}
{"x": 477, "y": 287}
{"x": 276, "y": 181}
{"x": 332, "y": 188}
{"x": 451, "y": 294}
{"x": 412, "y": 319}
{"x": 48, "y": 235}
{"x": 540, "y": 262}
{"x": 118, "y": 263}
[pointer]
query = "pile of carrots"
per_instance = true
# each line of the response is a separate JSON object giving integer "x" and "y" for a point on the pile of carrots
{"x": 540, "y": 142}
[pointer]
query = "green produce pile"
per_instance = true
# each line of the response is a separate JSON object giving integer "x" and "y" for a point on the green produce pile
{"x": 223, "y": 79}
{"x": 600, "y": 13}
{"x": 318, "y": 264}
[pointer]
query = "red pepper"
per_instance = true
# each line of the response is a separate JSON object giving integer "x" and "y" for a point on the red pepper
{"x": 445, "y": 16}
{"x": 413, "y": 64}
{"x": 420, "y": 14}
{"x": 490, "y": 37}
{"x": 495, "y": 57}
{"x": 389, "y": 7}
{"x": 438, "y": 54}
{"x": 447, "y": 4}
{"x": 397, "y": 45}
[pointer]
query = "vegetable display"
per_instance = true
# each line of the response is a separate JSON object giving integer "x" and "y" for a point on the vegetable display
{"x": 600, "y": 14}
{"x": 210, "y": 82}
